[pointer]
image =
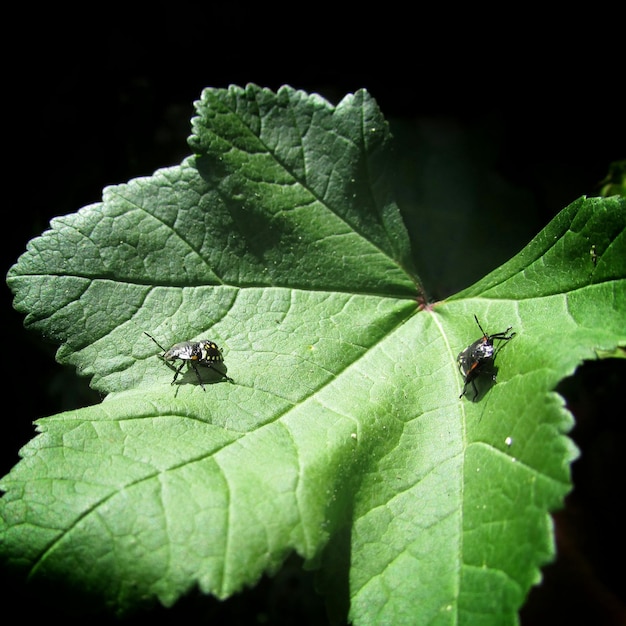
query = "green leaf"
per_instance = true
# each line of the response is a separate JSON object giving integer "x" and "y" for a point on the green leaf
{"x": 343, "y": 438}
{"x": 615, "y": 181}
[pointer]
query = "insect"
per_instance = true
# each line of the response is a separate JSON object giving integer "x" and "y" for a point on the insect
{"x": 479, "y": 357}
{"x": 194, "y": 353}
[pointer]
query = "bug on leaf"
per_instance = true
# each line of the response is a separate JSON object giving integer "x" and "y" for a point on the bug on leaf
{"x": 204, "y": 352}
{"x": 479, "y": 357}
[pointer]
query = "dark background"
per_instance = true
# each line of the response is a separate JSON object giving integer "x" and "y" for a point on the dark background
{"x": 498, "y": 127}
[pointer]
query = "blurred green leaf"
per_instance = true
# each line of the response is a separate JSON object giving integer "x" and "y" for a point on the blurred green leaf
{"x": 615, "y": 182}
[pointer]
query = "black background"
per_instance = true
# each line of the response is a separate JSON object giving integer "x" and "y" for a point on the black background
{"x": 100, "y": 97}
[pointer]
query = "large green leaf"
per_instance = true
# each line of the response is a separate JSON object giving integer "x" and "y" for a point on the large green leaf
{"x": 344, "y": 437}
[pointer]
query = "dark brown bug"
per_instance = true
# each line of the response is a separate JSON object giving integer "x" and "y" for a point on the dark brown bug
{"x": 479, "y": 357}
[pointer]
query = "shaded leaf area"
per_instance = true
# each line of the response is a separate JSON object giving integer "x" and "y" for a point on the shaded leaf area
{"x": 343, "y": 438}
{"x": 584, "y": 245}
{"x": 340, "y": 155}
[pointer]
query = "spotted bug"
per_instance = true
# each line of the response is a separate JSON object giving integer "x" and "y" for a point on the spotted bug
{"x": 479, "y": 357}
{"x": 194, "y": 353}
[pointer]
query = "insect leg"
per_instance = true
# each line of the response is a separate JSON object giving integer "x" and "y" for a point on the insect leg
{"x": 475, "y": 390}
{"x": 503, "y": 335}
{"x": 180, "y": 367}
{"x": 473, "y": 382}
{"x": 228, "y": 378}
{"x": 195, "y": 369}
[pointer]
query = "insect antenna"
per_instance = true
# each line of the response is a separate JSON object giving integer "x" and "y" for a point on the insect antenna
{"x": 479, "y": 326}
{"x": 155, "y": 341}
